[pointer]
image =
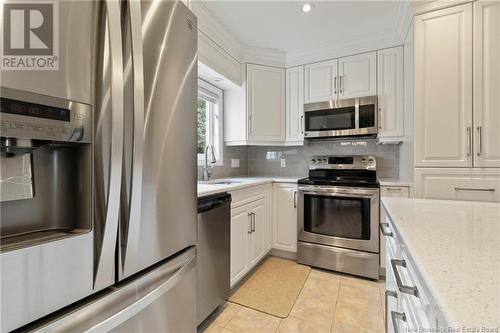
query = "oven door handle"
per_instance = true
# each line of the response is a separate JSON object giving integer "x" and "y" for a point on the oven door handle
{"x": 355, "y": 193}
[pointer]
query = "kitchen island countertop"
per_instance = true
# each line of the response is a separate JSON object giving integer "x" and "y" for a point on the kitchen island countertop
{"x": 455, "y": 246}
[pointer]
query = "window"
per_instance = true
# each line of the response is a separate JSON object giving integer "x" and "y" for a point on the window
{"x": 209, "y": 129}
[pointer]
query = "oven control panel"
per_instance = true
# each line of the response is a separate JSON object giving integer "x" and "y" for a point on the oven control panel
{"x": 358, "y": 162}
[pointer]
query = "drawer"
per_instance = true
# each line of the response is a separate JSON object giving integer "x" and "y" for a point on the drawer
{"x": 458, "y": 184}
{"x": 395, "y": 191}
{"x": 248, "y": 195}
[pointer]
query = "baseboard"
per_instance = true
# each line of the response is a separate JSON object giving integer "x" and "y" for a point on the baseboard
{"x": 283, "y": 254}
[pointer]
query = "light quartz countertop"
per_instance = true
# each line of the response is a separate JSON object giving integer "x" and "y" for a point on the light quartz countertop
{"x": 205, "y": 189}
{"x": 455, "y": 246}
{"x": 394, "y": 182}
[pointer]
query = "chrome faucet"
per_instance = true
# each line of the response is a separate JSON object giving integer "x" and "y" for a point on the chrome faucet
{"x": 207, "y": 173}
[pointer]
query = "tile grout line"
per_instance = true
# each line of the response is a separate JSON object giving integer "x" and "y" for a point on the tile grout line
{"x": 232, "y": 317}
{"x": 336, "y": 302}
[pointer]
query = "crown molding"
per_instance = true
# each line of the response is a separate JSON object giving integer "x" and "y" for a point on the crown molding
{"x": 331, "y": 51}
{"x": 421, "y": 7}
{"x": 213, "y": 28}
{"x": 263, "y": 56}
{"x": 405, "y": 18}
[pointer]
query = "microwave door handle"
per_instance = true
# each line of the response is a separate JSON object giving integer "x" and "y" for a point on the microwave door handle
{"x": 130, "y": 255}
{"x": 106, "y": 254}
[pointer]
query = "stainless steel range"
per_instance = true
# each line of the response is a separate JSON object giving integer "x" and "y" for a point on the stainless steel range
{"x": 338, "y": 215}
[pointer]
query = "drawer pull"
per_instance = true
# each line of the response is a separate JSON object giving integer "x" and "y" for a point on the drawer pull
{"x": 395, "y": 316}
{"x": 474, "y": 189}
{"x": 402, "y": 288}
{"x": 384, "y": 228}
{"x": 399, "y": 189}
{"x": 387, "y": 294}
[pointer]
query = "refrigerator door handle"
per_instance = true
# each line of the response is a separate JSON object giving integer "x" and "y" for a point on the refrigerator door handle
{"x": 104, "y": 273}
{"x": 122, "y": 303}
{"x": 130, "y": 263}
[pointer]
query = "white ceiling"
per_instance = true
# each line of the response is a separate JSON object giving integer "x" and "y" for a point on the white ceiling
{"x": 283, "y": 26}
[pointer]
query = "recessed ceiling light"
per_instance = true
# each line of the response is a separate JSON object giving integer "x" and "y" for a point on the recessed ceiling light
{"x": 306, "y": 8}
{"x": 217, "y": 79}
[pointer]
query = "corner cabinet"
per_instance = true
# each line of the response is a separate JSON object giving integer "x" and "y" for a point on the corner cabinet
{"x": 285, "y": 217}
{"x": 294, "y": 105}
{"x": 390, "y": 94}
{"x": 251, "y": 229}
{"x": 254, "y": 114}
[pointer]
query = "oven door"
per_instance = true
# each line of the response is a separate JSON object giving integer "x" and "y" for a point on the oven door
{"x": 346, "y": 217}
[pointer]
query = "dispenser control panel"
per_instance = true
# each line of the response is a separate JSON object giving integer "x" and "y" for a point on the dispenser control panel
{"x": 39, "y": 117}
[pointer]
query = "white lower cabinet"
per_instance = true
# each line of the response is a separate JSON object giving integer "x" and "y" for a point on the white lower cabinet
{"x": 285, "y": 217}
{"x": 471, "y": 184}
{"x": 389, "y": 191}
{"x": 250, "y": 229}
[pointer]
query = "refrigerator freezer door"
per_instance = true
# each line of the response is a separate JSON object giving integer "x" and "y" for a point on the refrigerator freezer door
{"x": 168, "y": 209}
{"x": 161, "y": 300}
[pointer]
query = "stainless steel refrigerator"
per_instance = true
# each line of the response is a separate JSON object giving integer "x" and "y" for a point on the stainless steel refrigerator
{"x": 111, "y": 246}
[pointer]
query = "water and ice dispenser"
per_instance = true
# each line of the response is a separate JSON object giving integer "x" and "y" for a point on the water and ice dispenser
{"x": 45, "y": 169}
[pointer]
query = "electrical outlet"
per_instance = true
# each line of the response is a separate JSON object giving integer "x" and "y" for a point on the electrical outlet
{"x": 235, "y": 163}
{"x": 283, "y": 162}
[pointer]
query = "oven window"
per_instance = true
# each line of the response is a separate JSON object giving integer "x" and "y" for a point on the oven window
{"x": 343, "y": 217}
{"x": 330, "y": 120}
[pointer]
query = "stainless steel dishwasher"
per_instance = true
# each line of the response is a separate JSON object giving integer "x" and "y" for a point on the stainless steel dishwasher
{"x": 214, "y": 241}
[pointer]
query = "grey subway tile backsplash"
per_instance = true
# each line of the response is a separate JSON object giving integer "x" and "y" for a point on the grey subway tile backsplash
{"x": 266, "y": 160}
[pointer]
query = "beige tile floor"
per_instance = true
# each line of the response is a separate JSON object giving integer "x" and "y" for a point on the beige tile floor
{"x": 328, "y": 302}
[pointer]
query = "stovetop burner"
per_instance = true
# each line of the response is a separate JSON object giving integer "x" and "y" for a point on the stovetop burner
{"x": 352, "y": 171}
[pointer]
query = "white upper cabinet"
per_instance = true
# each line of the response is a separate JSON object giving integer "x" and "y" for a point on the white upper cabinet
{"x": 254, "y": 114}
{"x": 321, "y": 81}
{"x": 390, "y": 93}
{"x": 357, "y": 75}
{"x": 295, "y": 105}
{"x": 443, "y": 88}
{"x": 266, "y": 103}
{"x": 487, "y": 84}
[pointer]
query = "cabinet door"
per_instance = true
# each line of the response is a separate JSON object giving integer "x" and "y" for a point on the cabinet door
{"x": 256, "y": 240}
{"x": 240, "y": 230}
{"x": 295, "y": 104}
{"x": 487, "y": 83}
{"x": 443, "y": 88}
{"x": 358, "y": 75}
{"x": 390, "y": 92}
{"x": 285, "y": 217}
{"x": 266, "y": 103}
{"x": 321, "y": 81}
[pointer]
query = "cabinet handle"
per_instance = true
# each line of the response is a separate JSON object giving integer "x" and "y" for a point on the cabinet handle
{"x": 399, "y": 189}
{"x": 380, "y": 118}
{"x": 341, "y": 83}
{"x": 253, "y": 222}
{"x": 335, "y": 86}
{"x": 469, "y": 140}
{"x": 386, "y": 231}
{"x": 249, "y": 229}
{"x": 480, "y": 134}
{"x": 402, "y": 288}
{"x": 395, "y": 316}
{"x": 302, "y": 124}
{"x": 387, "y": 294}
{"x": 294, "y": 199}
{"x": 474, "y": 189}
{"x": 249, "y": 123}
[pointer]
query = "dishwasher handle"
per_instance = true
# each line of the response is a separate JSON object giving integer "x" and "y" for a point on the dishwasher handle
{"x": 213, "y": 202}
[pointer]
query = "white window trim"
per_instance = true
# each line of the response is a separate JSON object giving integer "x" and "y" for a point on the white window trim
{"x": 217, "y": 94}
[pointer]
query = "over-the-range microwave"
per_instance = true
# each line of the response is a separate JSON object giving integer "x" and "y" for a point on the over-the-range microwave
{"x": 341, "y": 118}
